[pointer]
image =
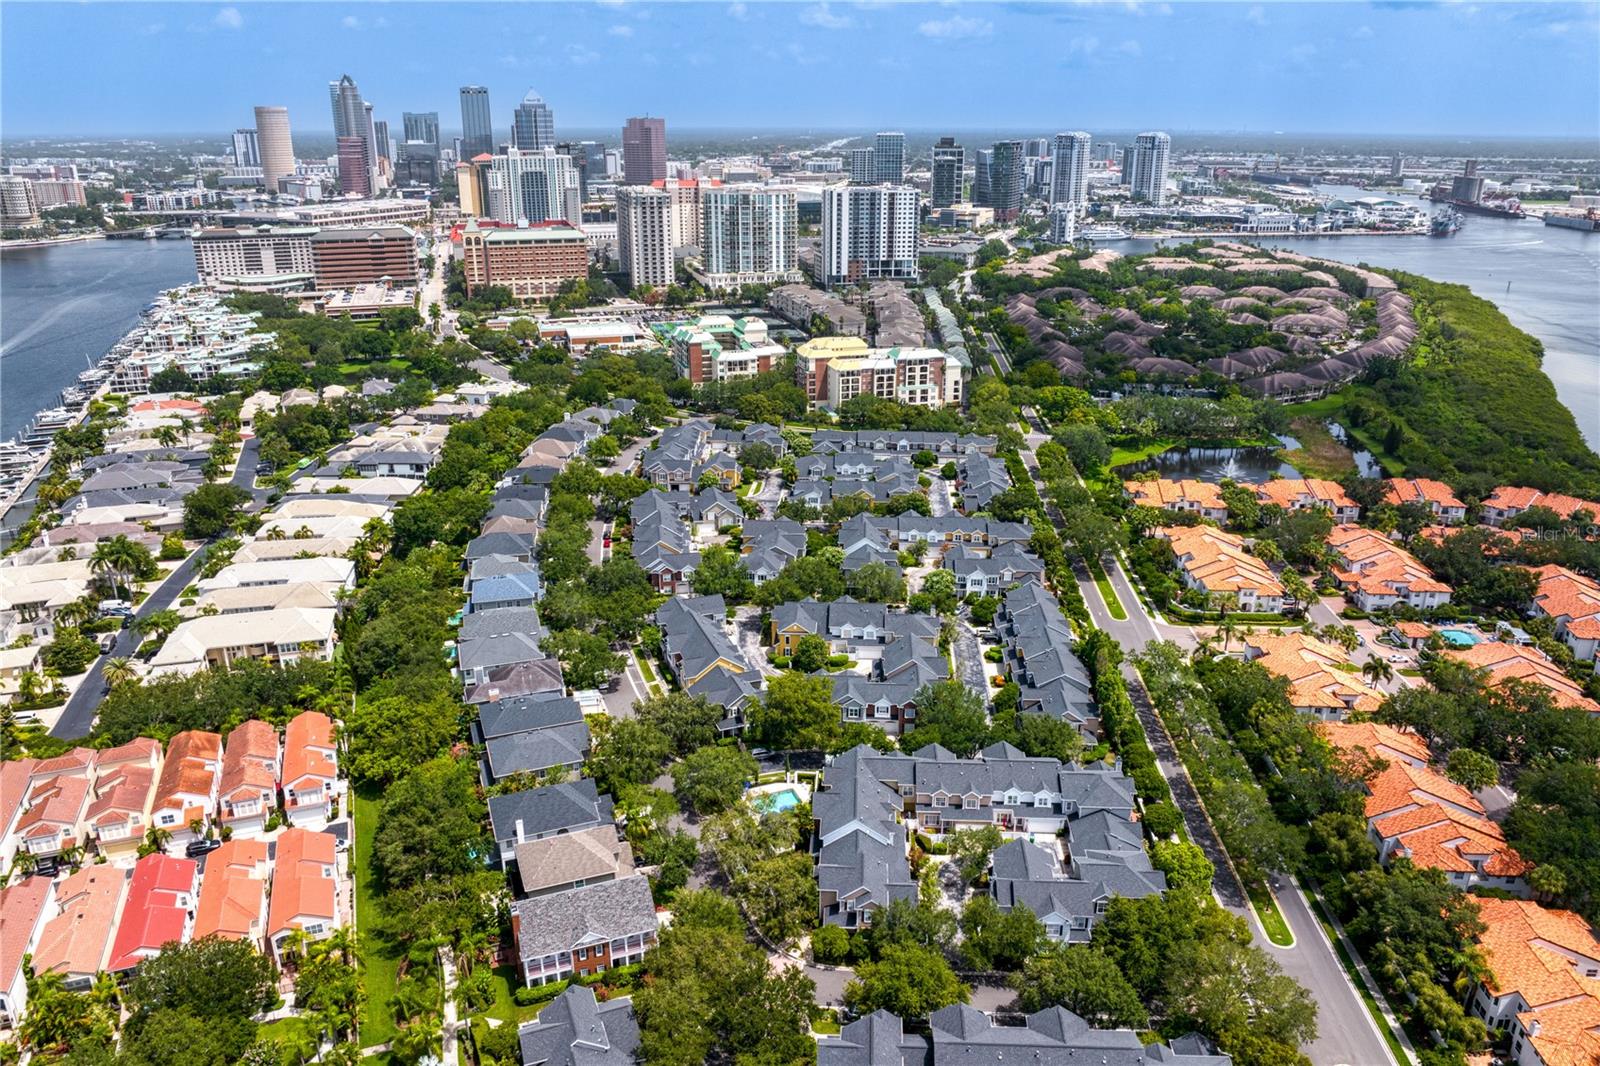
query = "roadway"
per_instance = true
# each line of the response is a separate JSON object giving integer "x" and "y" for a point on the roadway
{"x": 78, "y": 717}
{"x": 1346, "y": 1032}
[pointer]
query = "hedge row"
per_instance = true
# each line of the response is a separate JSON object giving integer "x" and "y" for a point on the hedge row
{"x": 1046, "y": 542}
{"x": 1102, "y": 656}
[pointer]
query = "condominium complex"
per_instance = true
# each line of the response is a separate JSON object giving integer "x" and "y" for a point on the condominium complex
{"x": 277, "y": 148}
{"x": 949, "y": 160}
{"x": 1069, "y": 169}
{"x": 532, "y": 261}
{"x": 1145, "y": 166}
{"x": 19, "y": 204}
{"x": 868, "y": 232}
{"x": 686, "y": 212}
{"x": 533, "y": 186}
{"x": 862, "y": 166}
{"x": 1007, "y": 175}
{"x": 645, "y": 228}
{"x": 644, "y": 151}
{"x": 832, "y": 370}
{"x": 747, "y": 236}
{"x": 719, "y": 348}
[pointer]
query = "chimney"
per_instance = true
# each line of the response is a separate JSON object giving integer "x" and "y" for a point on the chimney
{"x": 520, "y": 838}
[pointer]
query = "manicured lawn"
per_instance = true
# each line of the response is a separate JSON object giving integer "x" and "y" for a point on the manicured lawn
{"x": 1391, "y": 466}
{"x": 1271, "y": 918}
{"x": 1122, "y": 456}
{"x": 644, "y": 667}
{"x": 381, "y": 957}
{"x": 1107, "y": 593}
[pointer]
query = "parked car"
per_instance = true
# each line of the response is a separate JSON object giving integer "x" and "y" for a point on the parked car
{"x": 204, "y": 846}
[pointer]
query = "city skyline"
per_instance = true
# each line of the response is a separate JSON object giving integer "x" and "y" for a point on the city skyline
{"x": 1186, "y": 66}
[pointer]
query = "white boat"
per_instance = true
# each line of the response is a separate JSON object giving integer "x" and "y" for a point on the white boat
{"x": 1102, "y": 233}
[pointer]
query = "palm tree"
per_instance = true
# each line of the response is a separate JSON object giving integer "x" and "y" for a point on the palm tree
{"x": 119, "y": 558}
{"x": 30, "y": 686}
{"x": 1376, "y": 671}
{"x": 1227, "y": 629}
{"x": 1343, "y": 635}
{"x": 76, "y": 613}
{"x": 304, "y": 533}
{"x": 72, "y": 855}
{"x": 277, "y": 533}
{"x": 167, "y": 437}
{"x": 24, "y": 864}
{"x": 157, "y": 838}
{"x": 160, "y": 623}
{"x": 119, "y": 671}
{"x": 67, "y": 554}
{"x": 187, "y": 426}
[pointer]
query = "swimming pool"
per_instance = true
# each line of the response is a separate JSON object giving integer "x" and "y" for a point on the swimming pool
{"x": 782, "y": 800}
{"x": 1461, "y": 638}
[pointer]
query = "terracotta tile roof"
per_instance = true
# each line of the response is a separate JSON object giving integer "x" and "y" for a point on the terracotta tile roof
{"x": 1507, "y": 662}
{"x": 1312, "y": 669}
{"x": 128, "y": 790}
{"x": 1529, "y": 951}
{"x": 1434, "y": 494}
{"x": 1218, "y": 561}
{"x": 1414, "y": 630}
{"x": 142, "y": 751}
{"x": 14, "y": 777}
{"x": 1373, "y": 563}
{"x": 1441, "y": 837}
{"x": 299, "y": 888}
{"x": 308, "y": 747}
{"x": 1564, "y": 594}
{"x": 1290, "y": 493}
{"x": 77, "y": 940}
{"x": 1382, "y": 740}
{"x": 77, "y": 761}
{"x": 53, "y": 805}
{"x": 1401, "y": 787}
{"x": 188, "y": 779}
{"x": 234, "y": 889}
{"x": 1516, "y": 499}
{"x": 1177, "y": 494}
{"x": 250, "y": 761}
{"x": 21, "y": 904}
{"x": 156, "y": 910}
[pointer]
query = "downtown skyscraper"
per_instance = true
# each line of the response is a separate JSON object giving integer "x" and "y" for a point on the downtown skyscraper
{"x": 889, "y": 158}
{"x": 534, "y": 124}
{"x": 477, "y": 129}
{"x": 1145, "y": 165}
{"x": 1008, "y": 172}
{"x": 277, "y": 148}
{"x": 355, "y": 138}
{"x": 644, "y": 151}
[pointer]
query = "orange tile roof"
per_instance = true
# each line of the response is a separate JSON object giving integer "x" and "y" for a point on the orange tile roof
{"x": 307, "y": 744}
{"x": 1175, "y": 493}
{"x": 1527, "y": 949}
{"x": 14, "y": 776}
{"x": 53, "y": 805}
{"x": 298, "y": 887}
{"x": 21, "y": 904}
{"x": 144, "y": 751}
{"x": 190, "y": 774}
{"x": 1402, "y": 786}
{"x": 1312, "y": 669}
{"x": 77, "y": 761}
{"x": 250, "y": 761}
{"x": 77, "y": 940}
{"x": 1444, "y": 838}
{"x": 1376, "y": 565}
{"x": 1375, "y": 738}
{"x": 1435, "y": 494}
{"x": 1517, "y": 662}
{"x": 1414, "y": 630}
{"x": 1292, "y": 492}
{"x": 1218, "y": 561}
{"x": 233, "y": 891}
{"x": 127, "y": 791}
{"x": 1565, "y": 594}
{"x": 155, "y": 912}
{"x": 1517, "y": 498}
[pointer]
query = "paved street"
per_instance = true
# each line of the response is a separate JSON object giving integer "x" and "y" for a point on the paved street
{"x": 968, "y": 656}
{"x": 1347, "y": 1035}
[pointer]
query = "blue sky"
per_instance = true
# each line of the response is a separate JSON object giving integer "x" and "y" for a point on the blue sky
{"x": 1453, "y": 68}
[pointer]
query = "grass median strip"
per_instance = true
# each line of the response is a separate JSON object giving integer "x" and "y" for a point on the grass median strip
{"x": 1272, "y": 921}
{"x": 1107, "y": 593}
{"x": 380, "y": 958}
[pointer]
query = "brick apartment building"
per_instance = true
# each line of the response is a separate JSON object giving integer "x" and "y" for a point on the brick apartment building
{"x": 532, "y": 261}
{"x": 346, "y": 258}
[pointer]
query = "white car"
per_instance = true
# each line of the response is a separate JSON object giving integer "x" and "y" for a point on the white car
{"x": 1398, "y": 659}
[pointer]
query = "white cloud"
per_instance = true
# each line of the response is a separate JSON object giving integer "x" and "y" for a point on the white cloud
{"x": 350, "y": 22}
{"x": 1256, "y": 15}
{"x": 229, "y": 18}
{"x": 152, "y": 29}
{"x": 580, "y": 56}
{"x": 1130, "y": 48}
{"x": 1302, "y": 54}
{"x": 738, "y": 11}
{"x": 956, "y": 27}
{"x": 1083, "y": 46}
{"x": 1363, "y": 33}
{"x": 621, "y": 31}
{"x": 824, "y": 17}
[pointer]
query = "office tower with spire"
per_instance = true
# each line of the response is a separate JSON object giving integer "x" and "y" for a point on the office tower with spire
{"x": 644, "y": 151}
{"x": 1007, "y": 174}
{"x": 1148, "y": 174}
{"x": 477, "y": 130}
{"x": 534, "y": 125}
{"x": 277, "y": 148}
{"x": 1069, "y": 168}
{"x": 356, "y": 140}
{"x": 949, "y": 160}
{"x": 889, "y": 158}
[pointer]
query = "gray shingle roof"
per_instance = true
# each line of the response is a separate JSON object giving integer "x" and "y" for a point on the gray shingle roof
{"x": 577, "y": 1030}
{"x": 569, "y": 806}
{"x": 563, "y": 921}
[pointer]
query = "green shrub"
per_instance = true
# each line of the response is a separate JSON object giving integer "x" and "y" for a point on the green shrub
{"x": 830, "y": 945}
{"x": 1162, "y": 820}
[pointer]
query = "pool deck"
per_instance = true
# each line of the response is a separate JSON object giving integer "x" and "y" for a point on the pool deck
{"x": 801, "y": 791}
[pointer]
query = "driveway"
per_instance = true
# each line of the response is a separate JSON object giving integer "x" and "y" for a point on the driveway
{"x": 747, "y": 635}
{"x": 969, "y": 660}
